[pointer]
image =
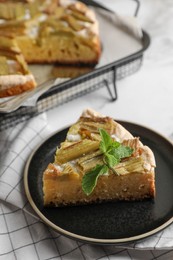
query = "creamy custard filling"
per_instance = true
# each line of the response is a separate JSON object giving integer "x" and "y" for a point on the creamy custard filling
{"x": 73, "y": 137}
{"x": 115, "y": 137}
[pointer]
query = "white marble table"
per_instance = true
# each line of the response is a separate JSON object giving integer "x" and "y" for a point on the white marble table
{"x": 144, "y": 98}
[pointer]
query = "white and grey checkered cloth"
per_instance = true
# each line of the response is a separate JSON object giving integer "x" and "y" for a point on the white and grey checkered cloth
{"x": 24, "y": 236}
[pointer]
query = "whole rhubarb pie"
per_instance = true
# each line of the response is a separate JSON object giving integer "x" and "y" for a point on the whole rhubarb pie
{"x": 99, "y": 161}
{"x": 43, "y": 31}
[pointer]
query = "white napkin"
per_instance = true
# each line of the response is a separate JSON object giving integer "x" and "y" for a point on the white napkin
{"x": 24, "y": 236}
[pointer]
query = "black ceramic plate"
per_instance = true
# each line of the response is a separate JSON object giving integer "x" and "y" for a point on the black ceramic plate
{"x": 107, "y": 223}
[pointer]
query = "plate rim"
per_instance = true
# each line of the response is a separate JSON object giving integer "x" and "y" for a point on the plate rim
{"x": 80, "y": 237}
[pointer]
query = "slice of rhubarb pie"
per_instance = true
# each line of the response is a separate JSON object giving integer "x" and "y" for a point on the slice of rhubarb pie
{"x": 99, "y": 161}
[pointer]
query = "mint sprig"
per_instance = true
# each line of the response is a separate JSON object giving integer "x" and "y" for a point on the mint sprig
{"x": 113, "y": 152}
{"x": 89, "y": 180}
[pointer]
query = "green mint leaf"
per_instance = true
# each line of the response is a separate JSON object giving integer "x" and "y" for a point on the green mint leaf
{"x": 115, "y": 144}
{"x": 106, "y": 141}
{"x": 113, "y": 152}
{"x": 123, "y": 152}
{"x": 89, "y": 180}
{"x": 111, "y": 160}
